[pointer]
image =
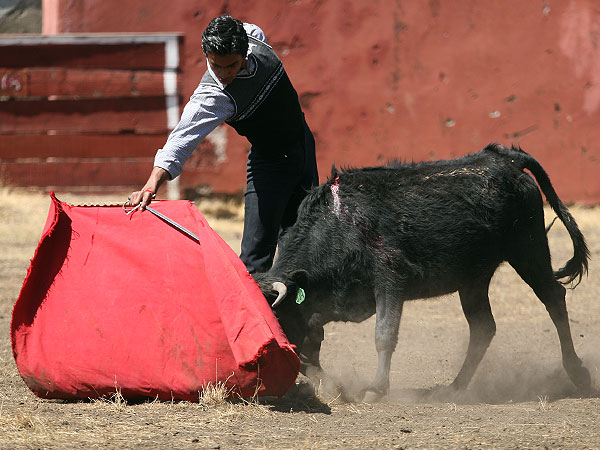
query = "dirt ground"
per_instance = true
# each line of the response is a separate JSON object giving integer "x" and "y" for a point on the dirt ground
{"x": 520, "y": 396}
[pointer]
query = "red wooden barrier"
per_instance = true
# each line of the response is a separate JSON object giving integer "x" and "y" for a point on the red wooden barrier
{"x": 86, "y": 111}
{"x": 68, "y": 82}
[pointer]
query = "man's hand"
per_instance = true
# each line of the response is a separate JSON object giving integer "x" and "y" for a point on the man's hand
{"x": 144, "y": 197}
{"x": 146, "y": 194}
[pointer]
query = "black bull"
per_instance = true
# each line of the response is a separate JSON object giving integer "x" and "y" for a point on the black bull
{"x": 371, "y": 238}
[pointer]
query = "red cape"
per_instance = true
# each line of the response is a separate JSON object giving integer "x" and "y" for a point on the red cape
{"x": 129, "y": 302}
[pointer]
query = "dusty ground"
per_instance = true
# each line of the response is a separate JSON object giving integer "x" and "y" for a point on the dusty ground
{"x": 519, "y": 398}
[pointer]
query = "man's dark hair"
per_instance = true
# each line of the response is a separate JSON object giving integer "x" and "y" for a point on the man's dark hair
{"x": 224, "y": 36}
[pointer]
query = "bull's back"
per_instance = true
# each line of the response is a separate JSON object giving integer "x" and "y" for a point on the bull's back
{"x": 441, "y": 223}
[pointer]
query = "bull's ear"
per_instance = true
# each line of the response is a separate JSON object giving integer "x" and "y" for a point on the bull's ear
{"x": 300, "y": 277}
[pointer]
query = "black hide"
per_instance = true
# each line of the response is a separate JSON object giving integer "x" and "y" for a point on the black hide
{"x": 368, "y": 239}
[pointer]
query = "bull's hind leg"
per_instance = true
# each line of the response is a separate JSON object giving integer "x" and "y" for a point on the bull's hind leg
{"x": 482, "y": 328}
{"x": 531, "y": 260}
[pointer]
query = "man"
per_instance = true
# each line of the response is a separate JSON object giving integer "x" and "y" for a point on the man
{"x": 246, "y": 87}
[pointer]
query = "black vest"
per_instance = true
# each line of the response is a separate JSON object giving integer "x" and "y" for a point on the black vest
{"x": 267, "y": 110}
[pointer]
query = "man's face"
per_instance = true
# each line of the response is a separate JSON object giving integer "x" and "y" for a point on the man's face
{"x": 226, "y": 67}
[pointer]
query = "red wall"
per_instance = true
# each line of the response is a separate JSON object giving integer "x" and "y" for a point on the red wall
{"x": 410, "y": 80}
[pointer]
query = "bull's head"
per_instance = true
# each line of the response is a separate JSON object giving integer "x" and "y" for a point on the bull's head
{"x": 280, "y": 288}
{"x": 285, "y": 295}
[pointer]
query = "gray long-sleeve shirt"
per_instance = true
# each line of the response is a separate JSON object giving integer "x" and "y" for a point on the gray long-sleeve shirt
{"x": 208, "y": 107}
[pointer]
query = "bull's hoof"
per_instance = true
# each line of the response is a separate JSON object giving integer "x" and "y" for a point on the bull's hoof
{"x": 372, "y": 394}
{"x": 346, "y": 395}
{"x": 445, "y": 393}
{"x": 580, "y": 377}
{"x": 326, "y": 387}
{"x": 330, "y": 389}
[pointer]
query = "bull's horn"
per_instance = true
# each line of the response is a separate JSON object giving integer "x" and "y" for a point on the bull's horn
{"x": 282, "y": 291}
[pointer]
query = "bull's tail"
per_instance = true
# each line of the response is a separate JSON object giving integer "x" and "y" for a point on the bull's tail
{"x": 577, "y": 266}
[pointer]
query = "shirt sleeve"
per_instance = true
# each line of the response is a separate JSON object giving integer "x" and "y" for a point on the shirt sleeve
{"x": 255, "y": 32}
{"x": 208, "y": 108}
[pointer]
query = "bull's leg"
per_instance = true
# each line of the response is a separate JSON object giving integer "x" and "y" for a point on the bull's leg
{"x": 530, "y": 257}
{"x": 310, "y": 366}
{"x": 476, "y": 307}
{"x": 537, "y": 273}
{"x": 311, "y": 349}
{"x": 388, "y": 312}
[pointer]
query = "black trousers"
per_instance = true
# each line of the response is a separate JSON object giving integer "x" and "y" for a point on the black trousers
{"x": 276, "y": 184}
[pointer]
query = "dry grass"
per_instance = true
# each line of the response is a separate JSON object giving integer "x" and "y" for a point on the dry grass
{"x": 213, "y": 394}
{"x": 543, "y": 404}
{"x": 116, "y": 399}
